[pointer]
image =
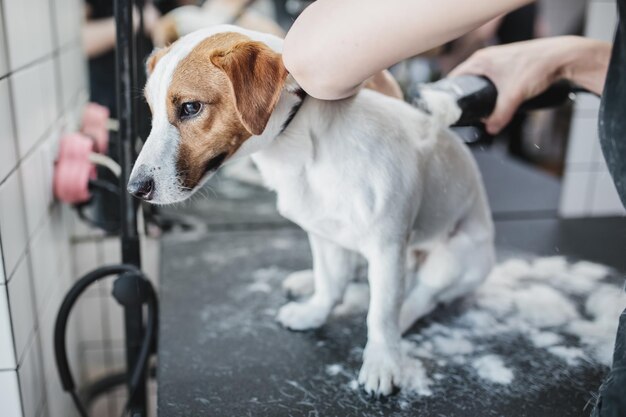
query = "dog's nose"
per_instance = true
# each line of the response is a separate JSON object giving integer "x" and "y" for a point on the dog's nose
{"x": 142, "y": 187}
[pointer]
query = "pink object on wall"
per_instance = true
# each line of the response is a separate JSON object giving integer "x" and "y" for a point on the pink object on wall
{"x": 94, "y": 125}
{"x": 73, "y": 169}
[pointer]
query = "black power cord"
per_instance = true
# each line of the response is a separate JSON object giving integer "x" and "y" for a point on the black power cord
{"x": 128, "y": 291}
{"x": 144, "y": 290}
{"x": 110, "y": 226}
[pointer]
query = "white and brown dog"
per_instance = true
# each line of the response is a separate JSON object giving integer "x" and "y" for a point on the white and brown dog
{"x": 367, "y": 175}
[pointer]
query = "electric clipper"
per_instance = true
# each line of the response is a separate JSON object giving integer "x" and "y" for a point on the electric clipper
{"x": 477, "y": 96}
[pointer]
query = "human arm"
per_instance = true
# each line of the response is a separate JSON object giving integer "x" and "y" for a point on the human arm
{"x": 523, "y": 70}
{"x": 99, "y": 36}
{"x": 334, "y": 46}
{"x": 466, "y": 45}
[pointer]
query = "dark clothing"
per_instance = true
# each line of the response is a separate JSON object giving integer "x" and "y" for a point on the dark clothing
{"x": 102, "y": 81}
{"x": 518, "y": 25}
{"x": 612, "y": 130}
{"x": 612, "y": 397}
{"x": 612, "y": 121}
{"x": 102, "y": 67}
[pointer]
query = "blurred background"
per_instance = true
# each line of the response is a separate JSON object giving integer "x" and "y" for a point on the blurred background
{"x": 58, "y": 55}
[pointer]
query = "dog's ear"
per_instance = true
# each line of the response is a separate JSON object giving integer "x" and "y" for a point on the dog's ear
{"x": 257, "y": 76}
{"x": 154, "y": 58}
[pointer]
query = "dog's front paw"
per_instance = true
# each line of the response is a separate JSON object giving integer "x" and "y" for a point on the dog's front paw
{"x": 299, "y": 284}
{"x": 302, "y": 316}
{"x": 381, "y": 369}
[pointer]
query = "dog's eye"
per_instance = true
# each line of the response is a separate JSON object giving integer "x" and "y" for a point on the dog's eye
{"x": 190, "y": 109}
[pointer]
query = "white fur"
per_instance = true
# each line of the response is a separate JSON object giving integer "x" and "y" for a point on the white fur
{"x": 367, "y": 175}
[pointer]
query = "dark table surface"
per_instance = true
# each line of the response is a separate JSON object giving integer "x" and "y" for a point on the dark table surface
{"x": 222, "y": 354}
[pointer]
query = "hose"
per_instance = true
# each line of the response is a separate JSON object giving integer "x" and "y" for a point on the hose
{"x": 60, "y": 330}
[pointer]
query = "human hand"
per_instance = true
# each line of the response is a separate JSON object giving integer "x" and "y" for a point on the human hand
{"x": 520, "y": 71}
{"x": 151, "y": 16}
{"x": 523, "y": 70}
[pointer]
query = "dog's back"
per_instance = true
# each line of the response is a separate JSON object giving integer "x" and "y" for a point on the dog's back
{"x": 390, "y": 158}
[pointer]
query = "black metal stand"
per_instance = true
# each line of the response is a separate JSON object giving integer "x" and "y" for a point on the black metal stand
{"x": 126, "y": 289}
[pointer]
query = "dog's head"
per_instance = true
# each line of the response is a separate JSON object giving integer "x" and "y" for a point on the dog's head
{"x": 209, "y": 93}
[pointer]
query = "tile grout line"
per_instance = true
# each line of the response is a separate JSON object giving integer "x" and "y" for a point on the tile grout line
{"x": 6, "y": 287}
{"x": 34, "y": 339}
{"x": 57, "y": 50}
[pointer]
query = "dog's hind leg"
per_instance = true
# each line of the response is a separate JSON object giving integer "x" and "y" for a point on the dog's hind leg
{"x": 453, "y": 268}
{"x": 333, "y": 268}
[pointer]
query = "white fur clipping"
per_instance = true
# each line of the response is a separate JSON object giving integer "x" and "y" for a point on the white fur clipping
{"x": 443, "y": 107}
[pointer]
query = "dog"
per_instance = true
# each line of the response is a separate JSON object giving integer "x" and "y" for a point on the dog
{"x": 368, "y": 175}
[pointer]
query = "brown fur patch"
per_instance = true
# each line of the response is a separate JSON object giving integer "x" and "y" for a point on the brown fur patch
{"x": 255, "y": 72}
{"x": 154, "y": 57}
{"x": 238, "y": 95}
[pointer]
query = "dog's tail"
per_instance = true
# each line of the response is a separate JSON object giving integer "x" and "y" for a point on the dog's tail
{"x": 442, "y": 107}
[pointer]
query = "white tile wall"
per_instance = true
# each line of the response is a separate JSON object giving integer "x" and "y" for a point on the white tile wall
{"x": 8, "y": 158}
{"x": 7, "y": 352}
{"x": 21, "y": 304}
{"x": 101, "y": 408}
{"x": 2, "y": 277}
{"x": 36, "y": 254}
{"x": 587, "y": 103}
{"x": 32, "y": 171}
{"x": 111, "y": 251}
{"x": 10, "y": 394}
{"x": 72, "y": 75}
{"x": 92, "y": 318}
{"x": 601, "y": 19}
{"x": 59, "y": 403}
{"x": 67, "y": 20}
{"x": 4, "y": 65}
{"x": 576, "y": 186}
{"x": 34, "y": 103}
{"x": 28, "y": 31}
{"x": 31, "y": 380}
{"x": 85, "y": 259}
{"x": 97, "y": 362}
{"x": 60, "y": 227}
{"x": 584, "y": 147}
{"x": 44, "y": 263}
{"x": 44, "y": 248}
{"x": 605, "y": 200}
{"x": 587, "y": 186}
{"x": 12, "y": 222}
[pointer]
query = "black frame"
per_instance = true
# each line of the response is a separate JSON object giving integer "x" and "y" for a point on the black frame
{"x": 127, "y": 54}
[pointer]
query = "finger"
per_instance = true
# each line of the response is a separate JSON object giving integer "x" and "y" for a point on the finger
{"x": 506, "y": 106}
{"x": 475, "y": 64}
{"x": 465, "y": 68}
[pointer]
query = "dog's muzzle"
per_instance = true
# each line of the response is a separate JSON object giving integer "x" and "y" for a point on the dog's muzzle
{"x": 141, "y": 184}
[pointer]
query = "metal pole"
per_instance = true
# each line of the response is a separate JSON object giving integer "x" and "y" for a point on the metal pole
{"x": 133, "y": 314}
{"x": 127, "y": 131}
{"x": 139, "y": 78}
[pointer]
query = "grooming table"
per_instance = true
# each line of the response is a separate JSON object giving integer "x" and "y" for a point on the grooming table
{"x": 222, "y": 354}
